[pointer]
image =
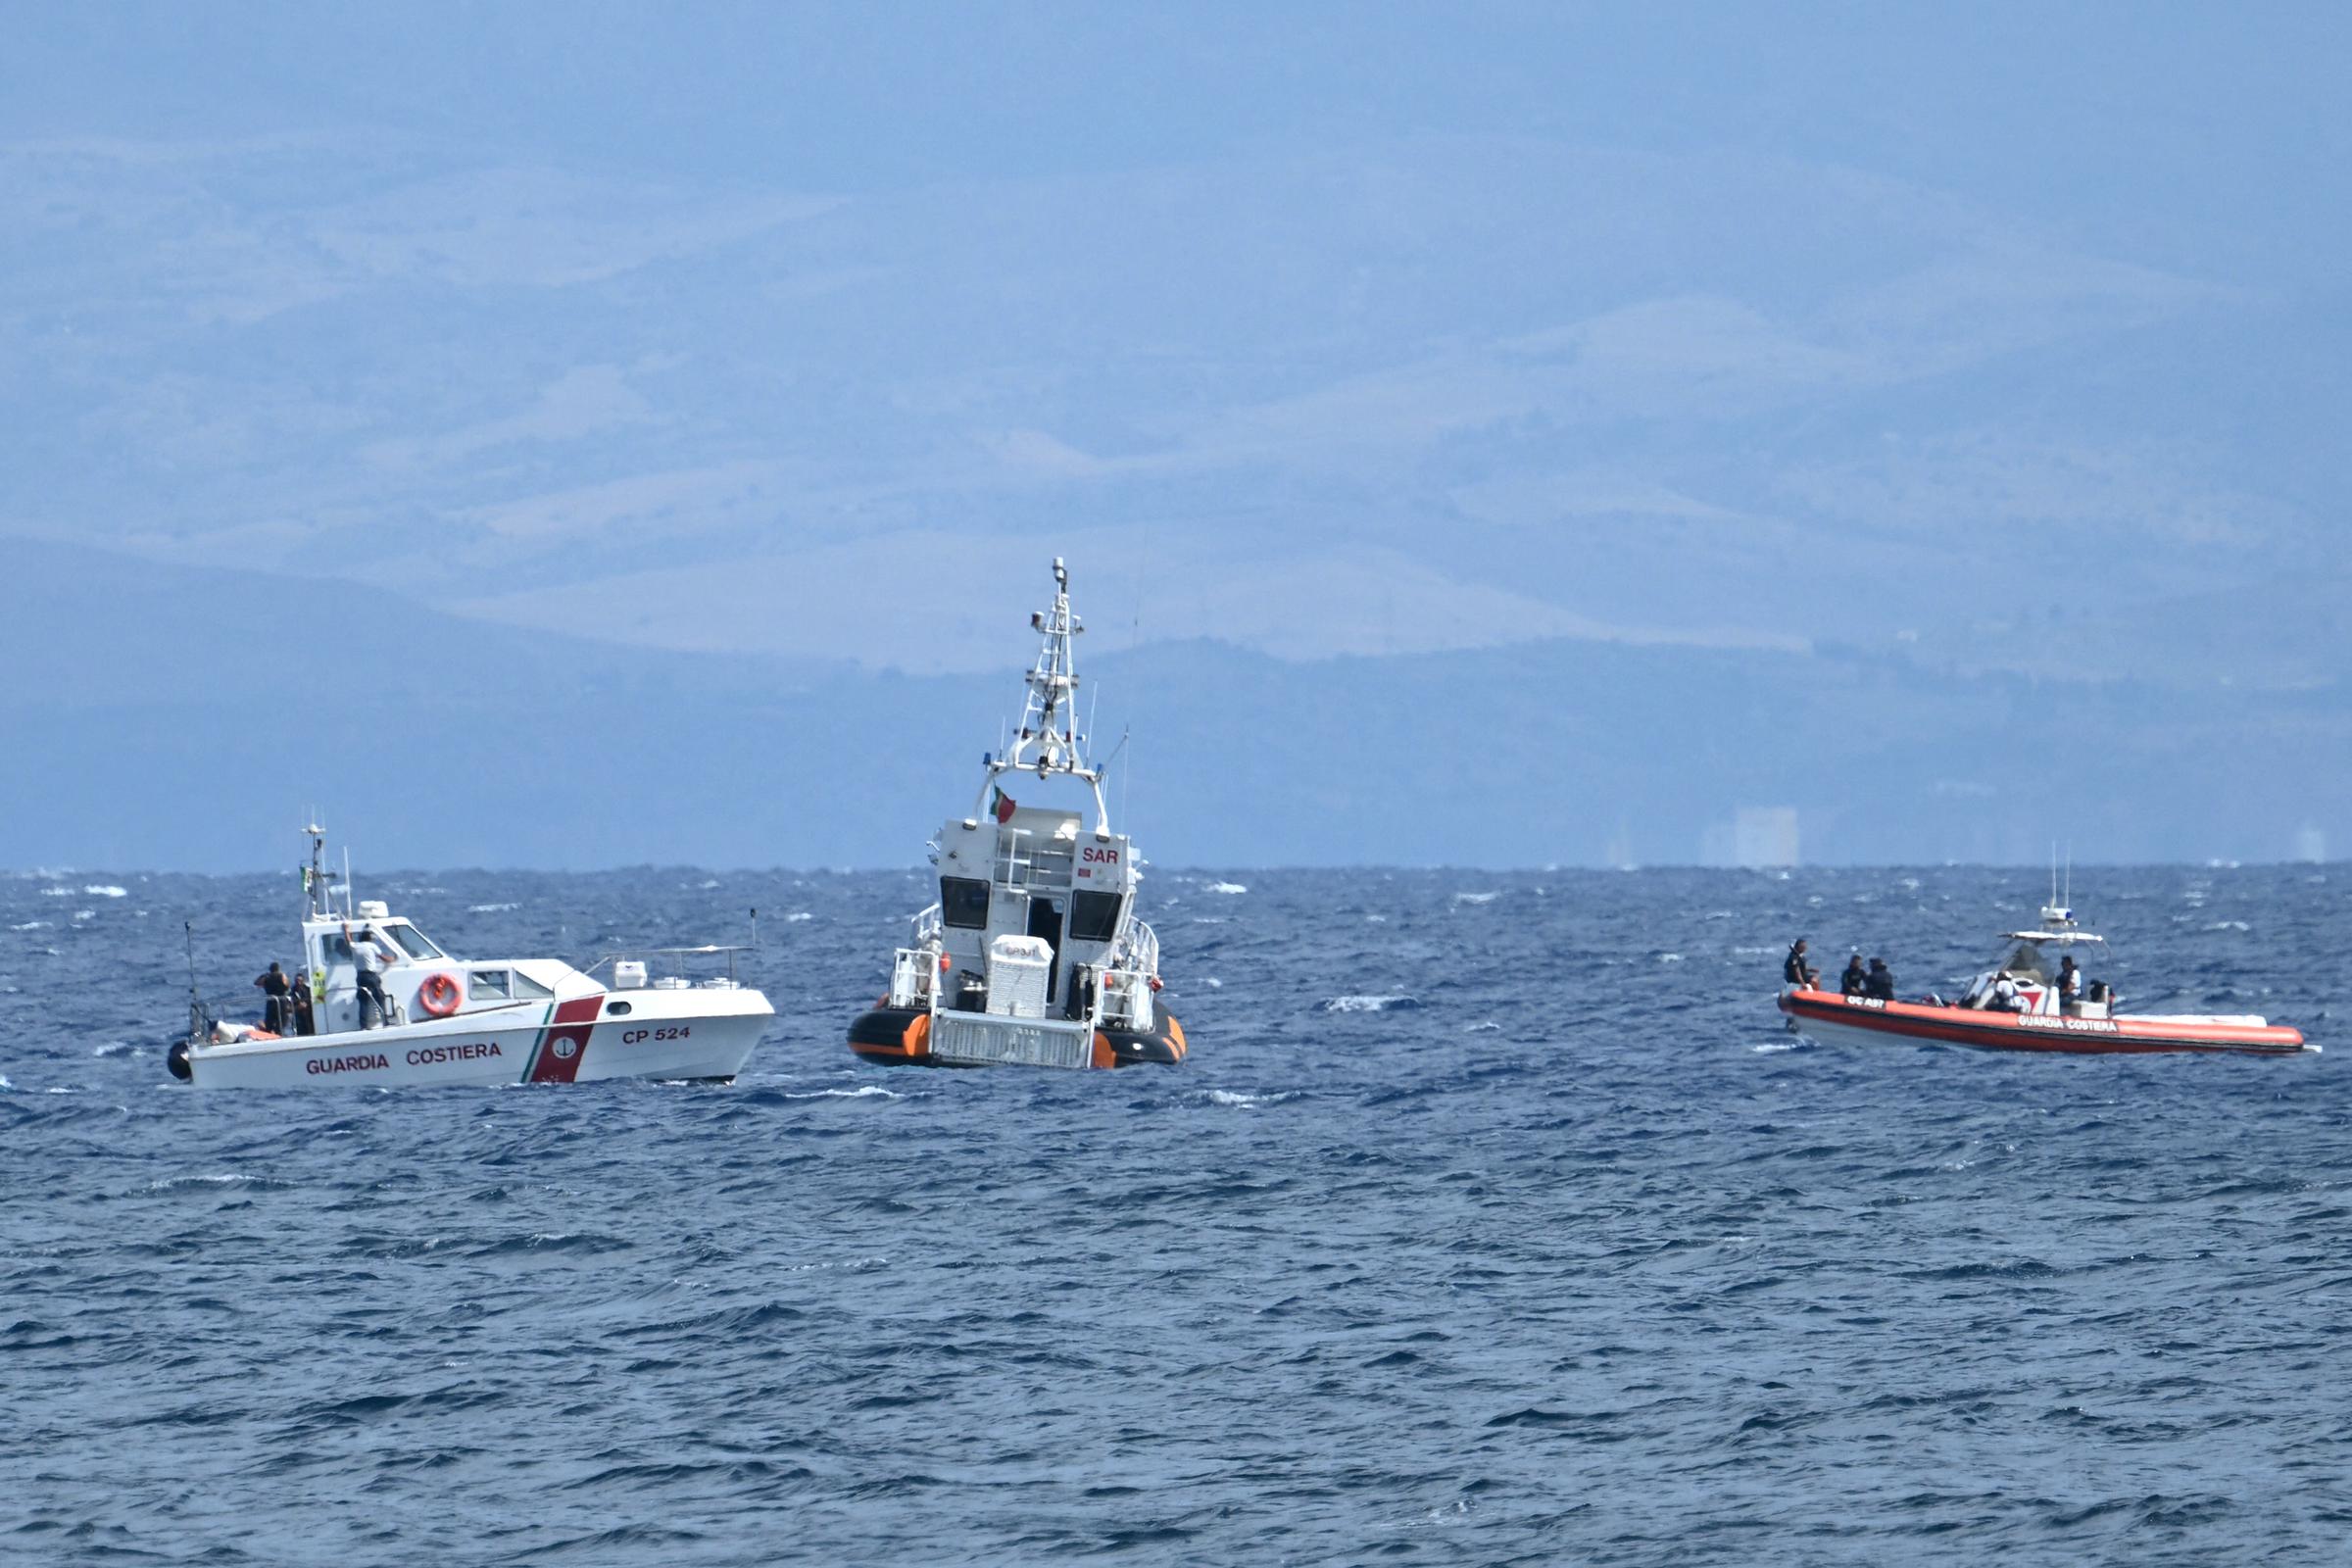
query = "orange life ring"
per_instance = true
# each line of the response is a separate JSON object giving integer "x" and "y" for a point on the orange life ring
{"x": 439, "y": 995}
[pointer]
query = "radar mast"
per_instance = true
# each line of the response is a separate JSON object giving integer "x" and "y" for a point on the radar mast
{"x": 1048, "y": 742}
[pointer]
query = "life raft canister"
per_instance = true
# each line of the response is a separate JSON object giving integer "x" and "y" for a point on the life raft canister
{"x": 439, "y": 995}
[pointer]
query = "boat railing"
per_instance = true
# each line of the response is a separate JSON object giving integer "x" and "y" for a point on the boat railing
{"x": 667, "y": 969}
{"x": 1021, "y": 863}
{"x": 1124, "y": 996}
{"x": 913, "y": 971}
{"x": 928, "y": 925}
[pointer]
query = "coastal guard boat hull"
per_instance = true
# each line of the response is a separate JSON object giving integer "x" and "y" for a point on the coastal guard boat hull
{"x": 449, "y": 1020}
{"x": 698, "y": 1035}
{"x": 2026, "y": 1003}
{"x": 1832, "y": 1018}
{"x": 1033, "y": 956}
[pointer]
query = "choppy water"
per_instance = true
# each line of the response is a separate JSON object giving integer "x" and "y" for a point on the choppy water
{"x": 1561, "y": 1253}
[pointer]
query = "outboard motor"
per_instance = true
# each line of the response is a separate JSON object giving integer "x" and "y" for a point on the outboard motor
{"x": 176, "y": 1058}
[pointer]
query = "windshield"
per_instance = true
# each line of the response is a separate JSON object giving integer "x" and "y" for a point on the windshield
{"x": 1095, "y": 916}
{"x": 413, "y": 941}
{"x": 964, "y": 903}
{"x": 2027, "y": 962}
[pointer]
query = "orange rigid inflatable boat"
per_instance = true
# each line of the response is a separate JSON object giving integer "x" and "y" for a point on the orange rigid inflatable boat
{"x": 2025, "y": 1003}
{"x": 1033, "y": 955}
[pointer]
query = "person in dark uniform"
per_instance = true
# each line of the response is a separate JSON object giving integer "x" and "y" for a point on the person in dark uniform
{"x": 1855, "y": 983}
{"x": 1882, "y": 981}
{"x": 274, "y": 986}
{"x": 1795, "y": 971}
{"x": 2070, "y": 981}
{"x": 306, "y": 1021}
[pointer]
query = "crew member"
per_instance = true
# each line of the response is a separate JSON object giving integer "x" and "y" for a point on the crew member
{"x": 2005, "y": 997}
{"x": 2070, "y": 981}
{"x": 364, "y": 963}
{"x": 1855, "y": 983}
{"x": 274, "y": 988}
{"x": 306, "y": 1021}
{"x": 1795, "y": 971}
{"x": 1880, "y": 983}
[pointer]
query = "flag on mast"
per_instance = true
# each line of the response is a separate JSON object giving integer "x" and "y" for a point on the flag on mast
{"x": 1000, "y": 804}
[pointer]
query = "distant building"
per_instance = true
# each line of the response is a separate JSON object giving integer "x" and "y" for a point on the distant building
{"x": 1757, "y": 837}
{"x": 1764, "y": 835}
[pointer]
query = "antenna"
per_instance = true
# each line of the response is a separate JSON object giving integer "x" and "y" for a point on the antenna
{"x": 348, "y": 905}
{"x": 755, "y": 928}
{"x": 200, "y": 1023}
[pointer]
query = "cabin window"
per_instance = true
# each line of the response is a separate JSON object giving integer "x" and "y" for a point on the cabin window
{"x": 414, "y": 941}
{"x": 528, "y": 989}
{"x": 964, "y": 903}
{"x": 488, "y": 983}
{"x": 1094, "y": 916}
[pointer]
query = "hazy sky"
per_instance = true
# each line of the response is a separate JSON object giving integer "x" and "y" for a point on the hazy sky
{"x": 1564, "y": 322}
{"x": 1984, "y": 338}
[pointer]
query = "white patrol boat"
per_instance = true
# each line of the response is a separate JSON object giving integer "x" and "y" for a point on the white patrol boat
{"x": 1033, "y": 954}
{"x": 2022, "y": 1003}
{"x": 375, "y": 1001}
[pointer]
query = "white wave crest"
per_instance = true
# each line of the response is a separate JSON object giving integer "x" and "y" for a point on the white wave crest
{"x": 2228, "y": 925}
{"x": 490, "y": 908}
{"x": 104, "y": 890}
{"x": 1367, "y": 1003}
{"x": 1213, "y": 983}
{"x": 862, "y": 1091}
{"x": 1242, "y": 1102}
{"x": 1773, "y": 1047}
{"x": 31, "y": 926}
{"x": 1226, "y": 887}
{"x": 1477, "y": 898}
{"x": 1484, "y": 1026}
{"x": 1670, "y": 958}
{"x": 57, "y": 893}
{"x": 798, "y": 916}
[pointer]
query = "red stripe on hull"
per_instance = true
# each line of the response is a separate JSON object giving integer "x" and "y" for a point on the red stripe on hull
{"x": 564, "y": 1045}
{"x": 1900, "y": 1020}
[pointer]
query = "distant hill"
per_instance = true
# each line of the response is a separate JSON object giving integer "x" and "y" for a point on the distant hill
{"x": 173, "y": 717}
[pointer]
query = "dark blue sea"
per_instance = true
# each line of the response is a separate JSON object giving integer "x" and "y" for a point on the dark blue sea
{"x": 1494, "y": 1219}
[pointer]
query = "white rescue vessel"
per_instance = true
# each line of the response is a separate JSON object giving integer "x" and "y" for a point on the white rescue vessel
{"x": 373, "y": 1001}
{"x": 1033, "y": 954}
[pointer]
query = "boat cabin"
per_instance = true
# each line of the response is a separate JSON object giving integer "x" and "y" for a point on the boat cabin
{"x": 2025, "y": 979}
{"x": 406, "y": 959}
{"x": 1059, "y": 893}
